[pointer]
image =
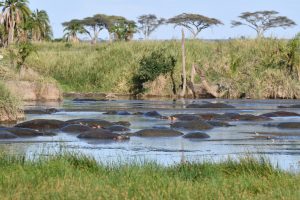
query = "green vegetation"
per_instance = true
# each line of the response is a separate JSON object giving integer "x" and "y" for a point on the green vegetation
{"x": 10, "y": 106}
{"x": 79, "y": 177}
{"x": 264, "y": 68}
{"x": 151, "y": 67}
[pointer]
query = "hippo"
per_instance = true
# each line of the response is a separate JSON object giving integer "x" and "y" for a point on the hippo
{"x": 42, "y": 124}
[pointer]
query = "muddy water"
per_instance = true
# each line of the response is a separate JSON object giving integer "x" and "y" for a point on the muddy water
{"x": 235, "y": 141}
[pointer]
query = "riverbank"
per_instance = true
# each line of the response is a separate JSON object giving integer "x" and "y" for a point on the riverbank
{"x": 71, "y": 176}
{"x": 259, "y": 69}
{"x": 10, "y": 106}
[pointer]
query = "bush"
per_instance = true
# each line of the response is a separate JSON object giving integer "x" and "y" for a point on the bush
{"x": 151, "y": 66}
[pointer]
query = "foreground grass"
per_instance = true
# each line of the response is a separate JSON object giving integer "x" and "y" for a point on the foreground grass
{"x": 266, "y": 68}
{"x": 79, "y": 177}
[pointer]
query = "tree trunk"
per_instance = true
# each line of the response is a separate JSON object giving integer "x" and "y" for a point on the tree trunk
{"x": 11, "y": 33}
{"x": 183, "y": 91}
{"x": 210, "y": 89}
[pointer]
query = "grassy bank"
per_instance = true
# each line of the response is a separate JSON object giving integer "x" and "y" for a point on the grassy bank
{"x": 266, "y": 68}
{"x": 10, "y": 106}
{"x": 79, "y": 177}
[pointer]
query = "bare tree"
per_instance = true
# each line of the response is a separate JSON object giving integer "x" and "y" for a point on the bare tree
{"x": 195, "y": 23}
{"x": 148, "y": 24}
{"x": 261, "y": 21}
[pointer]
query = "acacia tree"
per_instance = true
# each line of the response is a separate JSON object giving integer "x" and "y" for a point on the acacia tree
{"x": 261, "y": 21}
{"x": 195, "y": 23}
{"x": 72, "y": 29}
{"x": 96, "y": 23}
{"x": 148, "y": 24}
{"x": 14, "y": 13}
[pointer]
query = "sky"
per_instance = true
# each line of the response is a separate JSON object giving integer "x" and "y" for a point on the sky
{"x": 224, "y": 10}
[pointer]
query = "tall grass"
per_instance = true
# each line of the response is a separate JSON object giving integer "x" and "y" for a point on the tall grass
{"x": 79, "y": 177}
{"x": 10, "y": 106}
{"x": 259, "y": 68}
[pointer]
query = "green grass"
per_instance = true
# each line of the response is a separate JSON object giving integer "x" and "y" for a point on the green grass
{"x": 10, "y": 106}
{"x": 259, "y": 68}
{"x": 69, "y": 176}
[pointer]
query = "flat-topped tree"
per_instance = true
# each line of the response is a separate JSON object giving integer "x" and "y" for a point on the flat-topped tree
{"x": 195, "y": 23}
{"x": 73, "y": 28}
{"x": 148, "y": 24}
{"x": 96, "y": 24}
{"x": 261, "y": 21}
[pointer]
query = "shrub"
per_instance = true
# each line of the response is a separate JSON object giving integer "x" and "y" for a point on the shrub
{"x": 151, "y": 66}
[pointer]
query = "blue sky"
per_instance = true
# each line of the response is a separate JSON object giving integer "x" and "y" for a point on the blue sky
{"x": 225, "y": 10}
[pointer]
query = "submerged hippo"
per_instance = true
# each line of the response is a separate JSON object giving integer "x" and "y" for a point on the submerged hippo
{"x": 75, "y": 128}
{"x": 289, "y": 125}
{"x": 102, "y": 134}
{"x": 118, "y": 128}
{"x": 192, "y": 125}
{"x": 196, "y": 135}
{"x": 158, "y": 133}
{"x": 5, "y": 135}
{"x": 41, "y": 111}
{"x": 95, "y": 123}
{"x": 26, "y": 132}
{"x": 42, "y": 124}
{"x": 210, "y": 105}
{"x": 153, "y": 114}
{"x": 281, "y": 114}
{"x": 185, "y": 117}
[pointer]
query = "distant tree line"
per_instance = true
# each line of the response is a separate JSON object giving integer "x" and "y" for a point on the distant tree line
{"x": 18, "y": 24}
{"x": 120, "y": 28}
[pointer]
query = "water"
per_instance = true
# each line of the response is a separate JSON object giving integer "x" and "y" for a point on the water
{"x": 234, "y": 142}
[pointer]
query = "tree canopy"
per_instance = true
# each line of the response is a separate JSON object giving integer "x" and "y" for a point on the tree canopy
{"x": 261, "y": 21}
{"x": 195, "y": 23}
{"x": 148, "y": 24}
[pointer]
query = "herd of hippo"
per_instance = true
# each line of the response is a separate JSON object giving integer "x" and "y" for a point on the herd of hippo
{"x": 194, "y": 125}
